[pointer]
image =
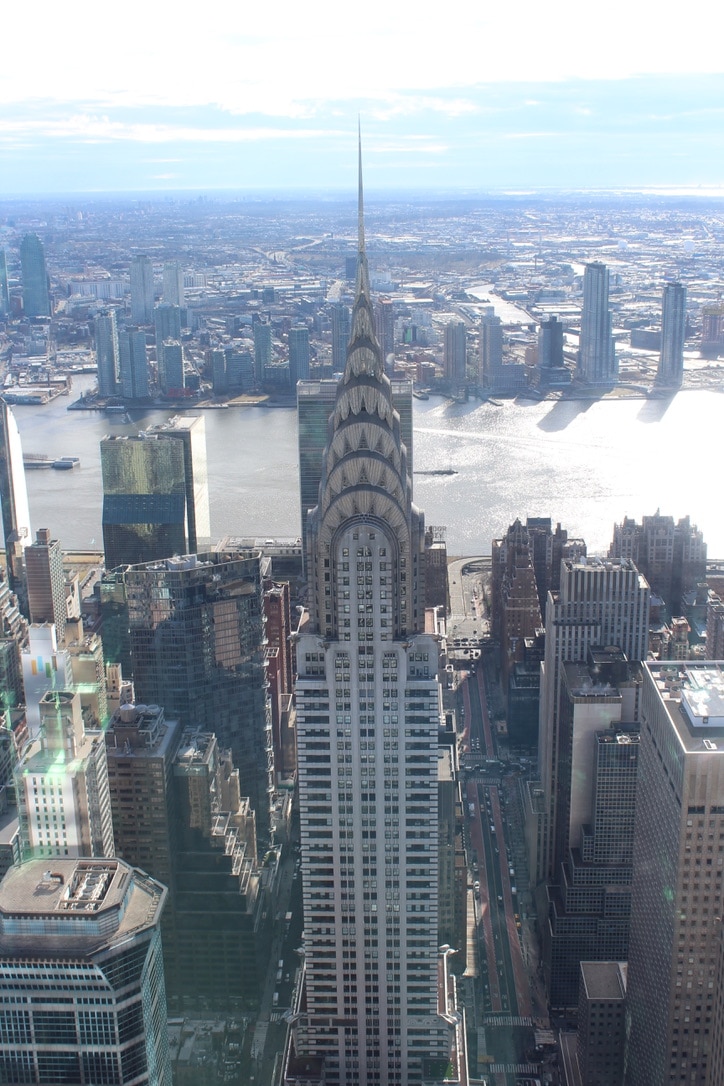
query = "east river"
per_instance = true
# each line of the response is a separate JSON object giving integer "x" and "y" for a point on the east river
{"x": 585, "y": 464}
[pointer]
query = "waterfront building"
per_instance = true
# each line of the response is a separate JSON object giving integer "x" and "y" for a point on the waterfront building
{"x": 82, "y": 974}
{"x": 173, "y": 283}
{"x": 61, "y": 784}
{"x": 596, "y": 356}
{"x": 4, "y": 292}
{"x": 455, "y": 353}
{"x": 315, "y": 402}
{"x": 589, "y": 895}
{"x": 142, "y": 290}
{"x": 368, "y": 720}
{"x": 14, "y": 503}
{"x": 144, "y": 499}
{"x": 36, "y": 293}
{"x": 133, "y": 364}
{"x": 677, "y": 892}
{"x": 108, "y": 358}
{"x": 673, "y": 334}
{"x": 602, "y": 602}
{"x": 298, "y": 355}
{"x": 551, "y": 370}
{"x": 262, "y": 350}
{"x": 46, "y": 582}
{"x": 197, "y": 646}
{"x": 171, "y": 377}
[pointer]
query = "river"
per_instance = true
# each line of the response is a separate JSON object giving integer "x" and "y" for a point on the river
{"x": 585, "y": 464}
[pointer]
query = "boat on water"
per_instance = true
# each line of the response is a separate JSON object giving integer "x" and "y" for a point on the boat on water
{"x": 419, "y": 394}
{"x": 495, "y": 403}
{"x": 42, "y": 460}
{"x": 437, "y": 471}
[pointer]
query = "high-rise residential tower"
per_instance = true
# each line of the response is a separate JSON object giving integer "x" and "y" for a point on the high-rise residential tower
{"x": 298, "y": 355}
{"x": 133, "y": 364}
{"x": 36, "y": 295}
{"x": 455, "y": 353}
{"x": 142, "y": 291}
{"x": 173, "y": 283}
{"x": 596, "y": 356}
{"x": 14, "y": 502}
{"x": 4, "y": 292}
{"x": 673, "y": 334}
{"x": 368, "y": 716}
{"x": 108, "y": 357}
{"x": 340, "y": 335}
{"x": 678, "y": 877}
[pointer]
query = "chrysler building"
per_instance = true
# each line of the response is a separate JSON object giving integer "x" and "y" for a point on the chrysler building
{"x": 368, "y": 705}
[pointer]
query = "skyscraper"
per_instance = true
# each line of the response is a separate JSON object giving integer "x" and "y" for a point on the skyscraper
{"x": 455, "y": 353}
{"x": 173, "y": 283}
{"x": 298, "y": 355}
{"x": 600, "y": 603}
{"x": 596, "y": 356}
{"x": 142, "y": 290}
{"x": 144, "y": 499}
{"x": 673, "y": 333}
{"x": 14, "y": 502}
{"x": 190, "y": 430}
{"x": 367, "y": 726}
{"x": 491, "y": 350}
{"x": 196, "y": 628}
{"x": 36, "y": 296}
{"x": 64, "y": 805}
{"x": 82, "y": 974}
{"x": 340, "y": 335}
{"x": 678, "y": 891}
{"x": 133, "y": 364}
{"x": 4, "y": 293}
{"x": 262, "y": 350}
{"x": 46, "y": 582}
{"x": 108, "y": 357}
{"x": 385, "y": 329}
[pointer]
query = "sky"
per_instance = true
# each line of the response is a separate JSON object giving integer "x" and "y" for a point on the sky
{"x": 161, "y": 96}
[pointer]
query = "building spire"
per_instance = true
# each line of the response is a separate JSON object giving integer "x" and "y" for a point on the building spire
{"x": 362, "y": 289}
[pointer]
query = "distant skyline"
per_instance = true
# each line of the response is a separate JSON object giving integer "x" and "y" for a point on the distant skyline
{"x": 153, "y": 97}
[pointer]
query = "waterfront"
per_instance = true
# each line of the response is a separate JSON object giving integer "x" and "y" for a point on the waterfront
{"x": 585, "y": 464}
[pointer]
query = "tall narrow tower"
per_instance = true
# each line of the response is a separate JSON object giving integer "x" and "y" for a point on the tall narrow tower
{"x": 13, "y": 503}
{"x": 142, "y": 292}
{"x": 673, "y": 333}
{"x": 368, "y": 717}
{"x": 596, "y": 357}
{"x": 36, "y": 296}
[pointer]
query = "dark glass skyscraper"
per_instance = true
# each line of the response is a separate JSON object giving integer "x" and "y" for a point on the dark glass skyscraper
{"x": 197, "y": 647}
{"x": 144, "y": 499}
{"x": 36, "y": 296}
